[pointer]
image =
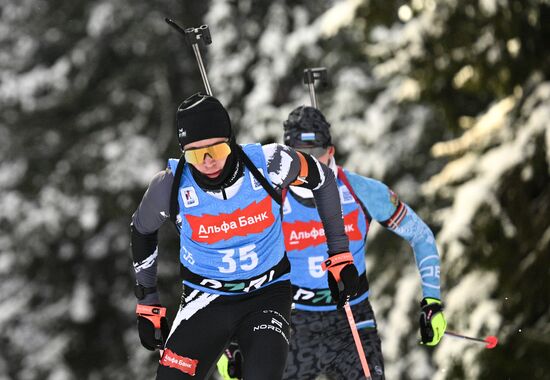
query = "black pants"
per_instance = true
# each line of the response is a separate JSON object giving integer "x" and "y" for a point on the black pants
{"x": 205, "y": 323}
{"x": 322, "y": 343}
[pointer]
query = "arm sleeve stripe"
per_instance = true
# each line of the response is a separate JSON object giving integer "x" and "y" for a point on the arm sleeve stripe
{"x": 397, "y": 217}
{"x": 303, "y": 170}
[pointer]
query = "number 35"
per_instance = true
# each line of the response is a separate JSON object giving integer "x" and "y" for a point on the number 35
{"x": 248, "y": 259}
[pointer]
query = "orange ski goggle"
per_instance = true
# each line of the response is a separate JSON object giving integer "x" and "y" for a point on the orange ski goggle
{"x": 216, "y": 151}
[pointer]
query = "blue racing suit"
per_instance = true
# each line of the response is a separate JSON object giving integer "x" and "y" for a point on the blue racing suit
{"x": 321, "y": 342}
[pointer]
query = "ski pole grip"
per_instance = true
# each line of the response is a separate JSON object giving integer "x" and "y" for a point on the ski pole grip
{"x": 205, "y": 32}
{"x": 316, "y": 73}
{"x": 190, "y": 36}
{"x": 196, "y": 35}
{"x": 152, "y": 313}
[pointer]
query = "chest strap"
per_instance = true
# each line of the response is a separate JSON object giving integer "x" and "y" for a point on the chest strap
{"x": 342, "y": 177}
{"x": 260, "y": 178}
{"x": 174, "y": 207}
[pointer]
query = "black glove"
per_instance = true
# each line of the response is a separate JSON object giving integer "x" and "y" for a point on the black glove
{"x": 152, "y": 326}
{"x": 343, "y": 278}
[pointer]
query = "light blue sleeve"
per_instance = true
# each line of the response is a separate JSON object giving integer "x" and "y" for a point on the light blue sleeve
{"x": 374, "y": 195}
{"x": 382, "y": 204}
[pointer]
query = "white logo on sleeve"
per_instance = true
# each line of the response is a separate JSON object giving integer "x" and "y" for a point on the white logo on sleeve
{"x": 189, "y": 196}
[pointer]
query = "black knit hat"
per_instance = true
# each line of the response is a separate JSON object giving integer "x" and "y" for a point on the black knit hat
{"x": 306, "y": 127}
{"x": 201, "y": 117}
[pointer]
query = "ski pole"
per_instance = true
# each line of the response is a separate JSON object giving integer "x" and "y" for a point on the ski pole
{"x": 194, "y": 36}
{"x": 357, "y": 340}
{"x": 310, "y": 76}
{"x": 490, "y": 341}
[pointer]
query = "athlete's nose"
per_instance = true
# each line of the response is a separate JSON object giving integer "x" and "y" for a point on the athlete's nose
{"x": 208, "y": 160}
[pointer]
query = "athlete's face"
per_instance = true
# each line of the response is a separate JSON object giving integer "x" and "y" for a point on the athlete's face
{"x": 206, "y": 164}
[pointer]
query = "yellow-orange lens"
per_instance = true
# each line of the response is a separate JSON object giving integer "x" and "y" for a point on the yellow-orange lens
{"x": 216, "y": 152}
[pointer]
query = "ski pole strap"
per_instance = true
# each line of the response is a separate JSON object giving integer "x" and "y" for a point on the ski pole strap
{"x": 341, "y": 175}
{"x": 336, "y": 263}
{"x": 152, "y": 313}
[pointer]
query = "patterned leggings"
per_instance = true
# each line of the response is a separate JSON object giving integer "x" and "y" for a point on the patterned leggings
{"x": 322, "y": 343}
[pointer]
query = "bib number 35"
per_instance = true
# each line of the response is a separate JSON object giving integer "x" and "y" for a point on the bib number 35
{"x": 243, "y": 258}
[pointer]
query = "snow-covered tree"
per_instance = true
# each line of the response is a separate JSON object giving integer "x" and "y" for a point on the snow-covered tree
{"x": 447, "y": 102}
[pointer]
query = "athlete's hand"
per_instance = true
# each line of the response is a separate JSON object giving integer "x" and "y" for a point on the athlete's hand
{"x": 343, "y": 278}
{"x": 432, "y": 321}
{"x": 230, "y": 363}
{"x": 152, "y": 326}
